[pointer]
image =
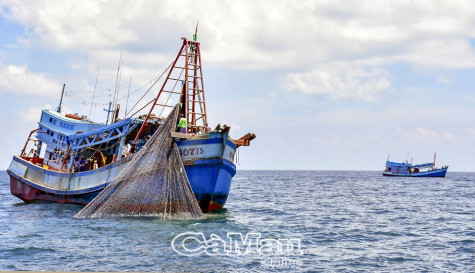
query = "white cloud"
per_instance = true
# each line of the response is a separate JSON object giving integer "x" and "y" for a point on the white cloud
{"x": 329, "y": 142}
{"x": 19, "y": 80}
{"x": 33, "y": 113}
{"x": 442, "y": 54}
{"x": 258, "y": 34}
{"x": 471, "y": 131}
{"x": 444, "y": 79}
{"x": 449, "y": 137}
{"x": 71, "y": 24}
{"x": 341, "y": 82}
{"x": 425, "y": 136}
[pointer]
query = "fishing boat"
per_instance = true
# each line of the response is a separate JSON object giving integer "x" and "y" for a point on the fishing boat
{"x": 406, "y": 169}
{"x": 73, "y": 158}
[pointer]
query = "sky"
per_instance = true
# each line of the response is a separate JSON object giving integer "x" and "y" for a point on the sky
{"x": 325, "y": 85}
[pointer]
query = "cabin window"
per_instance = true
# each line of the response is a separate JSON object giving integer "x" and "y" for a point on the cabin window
{"x": 47, "y": 131}
{"x": 54, "y": 121}
{"x": 51, "y": 133}
{"x": 51, "y": 120}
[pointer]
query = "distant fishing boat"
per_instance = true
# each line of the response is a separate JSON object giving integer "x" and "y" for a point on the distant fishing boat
{"x": 81, "y": 157}
{"x": 406, "y": 169}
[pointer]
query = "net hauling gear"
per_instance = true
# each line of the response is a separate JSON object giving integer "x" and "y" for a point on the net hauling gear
{"x": 153, "y": 184}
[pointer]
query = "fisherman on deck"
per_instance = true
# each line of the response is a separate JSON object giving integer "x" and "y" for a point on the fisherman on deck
{"x": 134, "y": 149}
{"x": 76, "y": 164}
{"x": 81, "y": 164}
{"x": 182, "y": 124}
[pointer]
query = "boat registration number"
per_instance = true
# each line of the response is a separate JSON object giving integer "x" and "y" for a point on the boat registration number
{"x": 192, "y": 151}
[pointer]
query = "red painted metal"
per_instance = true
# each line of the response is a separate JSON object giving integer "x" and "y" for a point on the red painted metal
{"x": 159, "y": 93}
{"x": 190, "y": 50}
{"x": 30, "y": 194}
{"x": 185, "y": 96}
{"x": 28, "y": 140}
{"x": 205, "y": 117}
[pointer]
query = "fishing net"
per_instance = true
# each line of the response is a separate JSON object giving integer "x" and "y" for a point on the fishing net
{"x": 153, "y": 184}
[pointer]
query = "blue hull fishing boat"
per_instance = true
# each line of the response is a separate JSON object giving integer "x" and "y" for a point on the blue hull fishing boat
{"x": 81, "y": 157}
{"x": 406, "y": 169}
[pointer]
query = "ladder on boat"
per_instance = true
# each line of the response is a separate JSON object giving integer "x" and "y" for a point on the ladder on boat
{"x": 184, "y": 84}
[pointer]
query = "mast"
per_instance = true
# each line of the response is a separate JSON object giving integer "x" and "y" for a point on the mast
{"x": 116, "y": 89}
{"x": 187, "y": 70}
{"x": 61, "y": 100}
{"x": 108, "y": 112}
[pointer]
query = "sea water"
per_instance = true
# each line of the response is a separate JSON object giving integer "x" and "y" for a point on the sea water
{"x": 276, "y": 221}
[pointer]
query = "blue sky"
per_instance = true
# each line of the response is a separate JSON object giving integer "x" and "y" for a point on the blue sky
{"x": 325, "y": 85}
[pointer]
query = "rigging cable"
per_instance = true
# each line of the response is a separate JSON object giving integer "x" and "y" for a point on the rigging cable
{"x": 127, "y": 103}
{"x": 149, "y": 88}
{"x": 93, "y": 94}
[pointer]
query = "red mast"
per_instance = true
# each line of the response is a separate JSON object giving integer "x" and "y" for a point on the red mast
{"x": 187, "y": 70}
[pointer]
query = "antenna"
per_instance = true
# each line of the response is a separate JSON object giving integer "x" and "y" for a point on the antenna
{"x": 195, "y": 36}
{"x": 61, "y": 101}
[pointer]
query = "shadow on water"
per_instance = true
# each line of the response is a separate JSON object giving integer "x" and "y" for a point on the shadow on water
{"x": 57, "y": 210}
{"x": 20, "y": 204}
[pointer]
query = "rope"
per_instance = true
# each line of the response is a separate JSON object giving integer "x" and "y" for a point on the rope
{"x": 149, "y": 89}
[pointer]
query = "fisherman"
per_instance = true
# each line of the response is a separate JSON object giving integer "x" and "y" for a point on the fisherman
{"x": 88, "y": 164}
{"x": 126, "y": 150}
{"x": 76, "y": 164}
{"x": 81, "y": 164}
{"x": 133, "y": 149}
{"x": 182, "y": 124}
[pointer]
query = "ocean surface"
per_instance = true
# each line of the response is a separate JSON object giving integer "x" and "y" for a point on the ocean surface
{"x": 295, "y": 221}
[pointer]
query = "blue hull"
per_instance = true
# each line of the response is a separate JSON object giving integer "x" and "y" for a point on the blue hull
{"x": 210, "y": 180}
{"x": 433, "y": 173}
{"x": 208, "y": 164}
